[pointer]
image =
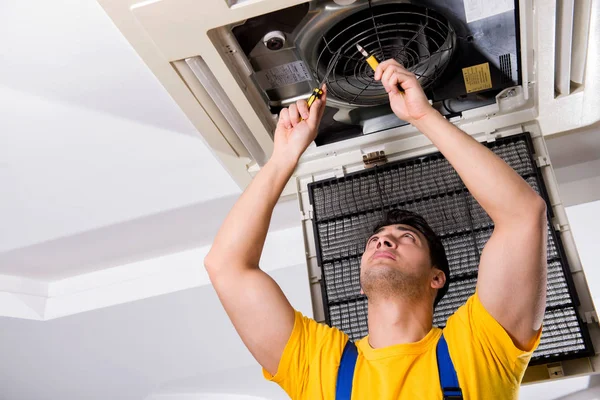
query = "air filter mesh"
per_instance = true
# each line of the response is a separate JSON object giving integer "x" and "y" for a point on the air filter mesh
{"x": 346, "y": 209}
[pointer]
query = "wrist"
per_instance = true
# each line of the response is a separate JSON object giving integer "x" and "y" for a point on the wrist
{"x": 427, "y": 119}
{"x": 283, "y": 162}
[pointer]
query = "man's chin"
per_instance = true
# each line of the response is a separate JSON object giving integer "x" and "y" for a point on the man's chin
{"x": 384, "y": 281}
{"x": 381, "y": 262}
{"x": 379, "y": 271}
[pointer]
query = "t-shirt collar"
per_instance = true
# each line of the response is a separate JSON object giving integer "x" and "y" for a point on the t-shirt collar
{"x": 414, "y": 348}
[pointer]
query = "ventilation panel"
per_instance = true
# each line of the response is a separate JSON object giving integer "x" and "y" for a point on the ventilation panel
{"x": 345, "y": 210}
{"x": 572, "y": 30}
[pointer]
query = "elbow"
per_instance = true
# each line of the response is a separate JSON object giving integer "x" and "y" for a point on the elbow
{"x": 539, "y": 208}
{"x": 210, "y": 264}
{"x": 533, "y": 211}
{"x": 530, "y": 211}
{"x": 216, "y": 265}
{"x": 532, "y": 207}
{"x": 534, "y": 214}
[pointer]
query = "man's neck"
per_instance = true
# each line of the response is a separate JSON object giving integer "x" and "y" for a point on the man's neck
{"x": 398, "y": 322}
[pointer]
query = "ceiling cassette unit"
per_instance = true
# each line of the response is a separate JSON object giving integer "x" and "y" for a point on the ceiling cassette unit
{"x": 463, "y": 61}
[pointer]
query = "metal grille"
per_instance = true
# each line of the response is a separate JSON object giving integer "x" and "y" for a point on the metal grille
{"x": 420, "y": 39}
{"x": 506, "y": 68}
{"x": 346, "y": 209}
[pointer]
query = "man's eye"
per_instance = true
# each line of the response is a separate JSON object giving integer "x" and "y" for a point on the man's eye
{"x": 410, "y": 236}
{"x": 373, "y": 239}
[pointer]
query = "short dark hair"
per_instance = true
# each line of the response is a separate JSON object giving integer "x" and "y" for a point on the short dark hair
{"x": 436, "y": 248}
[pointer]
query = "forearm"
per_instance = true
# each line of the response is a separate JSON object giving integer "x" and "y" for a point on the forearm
{"x": 502, "y": 193}
{"x": 241, "y": 238}
{"x": 513, "y": 260}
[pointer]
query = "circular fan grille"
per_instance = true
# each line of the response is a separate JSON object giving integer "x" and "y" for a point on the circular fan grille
{"x": 419, "y": 38}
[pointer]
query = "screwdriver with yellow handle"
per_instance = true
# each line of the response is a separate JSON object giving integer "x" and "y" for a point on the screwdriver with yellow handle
{"x": 373, "y": 63}
{"x": 318, "y": 91}
{"x": 316, "y": 94}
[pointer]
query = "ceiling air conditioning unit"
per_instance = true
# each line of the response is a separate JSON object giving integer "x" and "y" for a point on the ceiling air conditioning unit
{"x": 509, "y": 73}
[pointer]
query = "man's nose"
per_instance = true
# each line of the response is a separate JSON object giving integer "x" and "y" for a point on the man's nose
{"x": 384, "y": 242}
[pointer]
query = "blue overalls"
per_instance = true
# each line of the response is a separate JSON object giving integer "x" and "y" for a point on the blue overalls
{"x": 448, "y": 378}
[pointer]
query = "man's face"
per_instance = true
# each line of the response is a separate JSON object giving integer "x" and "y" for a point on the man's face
{"x": 396, "y": 261}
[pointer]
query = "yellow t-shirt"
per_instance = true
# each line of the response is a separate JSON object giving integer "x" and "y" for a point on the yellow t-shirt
{"x": 487, "y": 363}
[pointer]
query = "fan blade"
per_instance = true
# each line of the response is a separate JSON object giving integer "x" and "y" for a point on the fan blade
{"x": 398, "y": 49}
{"x": 422, "y": 42}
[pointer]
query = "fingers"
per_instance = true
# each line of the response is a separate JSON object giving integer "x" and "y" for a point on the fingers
{"x": 284, "y": 119}
{"x": 387, "y": 79}
{"x": 385, "y": 65}
{"x": 390, "y": 80}
{"x": 393, "y": 76}
{"x": 295, "y": 113}
{"x": 317, "y": 109}
{"x": 302, "y": 107}
{"x": 294, "y": 116}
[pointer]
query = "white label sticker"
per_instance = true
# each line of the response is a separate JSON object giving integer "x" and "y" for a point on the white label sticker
{"x": 480, "y": 9}
{"x": 283, "y": 75}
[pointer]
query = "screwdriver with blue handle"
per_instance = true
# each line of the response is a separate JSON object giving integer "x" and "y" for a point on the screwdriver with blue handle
{"x": 372, "y": 61}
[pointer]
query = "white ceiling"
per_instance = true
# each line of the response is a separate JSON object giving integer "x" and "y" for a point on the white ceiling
{"x": 577, "y": 147}
{"x": 88, "y": 136}
{"x": 143, "y": 238}
{"x": 128, "y": 352}
{"x": 93, "y": 151}
{"x": 99, "y": 167}
{"x": 71, "y": 52}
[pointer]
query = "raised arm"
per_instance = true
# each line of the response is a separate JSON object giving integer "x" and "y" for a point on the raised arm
{"x": 257, "y": 307}
{"x": 512, "y": 271}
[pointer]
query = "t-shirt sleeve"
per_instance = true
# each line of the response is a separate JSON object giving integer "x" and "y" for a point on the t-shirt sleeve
{"x": 313, "y": 349}
{"x": 490, "y": 342}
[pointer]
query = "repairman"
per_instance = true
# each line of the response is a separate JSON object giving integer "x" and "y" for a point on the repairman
{"x": 486, "y": 345}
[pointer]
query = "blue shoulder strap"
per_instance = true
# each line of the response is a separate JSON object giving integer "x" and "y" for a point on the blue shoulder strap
{"x": 343, "y": 387}
{"x": 448, "y": 378}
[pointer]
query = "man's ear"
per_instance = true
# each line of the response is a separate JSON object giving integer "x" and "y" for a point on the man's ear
{"x": 439, "y": 279}
{"x": 361, "y": 291}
